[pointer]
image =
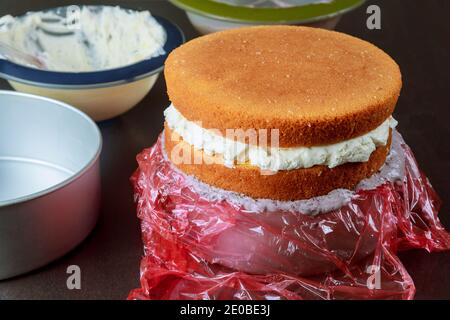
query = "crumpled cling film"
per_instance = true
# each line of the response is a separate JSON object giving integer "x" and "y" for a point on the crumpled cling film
{"x": 196, "y": 248}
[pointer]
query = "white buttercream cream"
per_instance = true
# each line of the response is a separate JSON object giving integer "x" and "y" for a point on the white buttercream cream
{"x": 89, "y": 39}
{"x": 393, "y": 171}
{"x": 357, "y": 149}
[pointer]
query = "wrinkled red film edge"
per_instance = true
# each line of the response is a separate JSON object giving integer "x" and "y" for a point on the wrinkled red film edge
{"x": 183, "y": 234}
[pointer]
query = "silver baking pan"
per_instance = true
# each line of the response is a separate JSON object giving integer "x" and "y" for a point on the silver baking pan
{"x": 49, "y": 180}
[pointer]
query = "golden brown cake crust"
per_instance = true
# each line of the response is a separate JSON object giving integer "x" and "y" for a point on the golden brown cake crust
{"x": 284, "y": 185}
{"x": 316, "y": 86}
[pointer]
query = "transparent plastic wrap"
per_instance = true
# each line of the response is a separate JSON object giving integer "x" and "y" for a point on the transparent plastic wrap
{"x": 210, "y": 246}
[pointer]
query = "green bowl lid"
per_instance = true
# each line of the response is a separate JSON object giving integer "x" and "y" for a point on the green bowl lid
{"x": 228, "y": 10}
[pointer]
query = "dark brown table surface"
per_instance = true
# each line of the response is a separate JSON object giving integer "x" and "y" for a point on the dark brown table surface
{"x": 415, "y": 33}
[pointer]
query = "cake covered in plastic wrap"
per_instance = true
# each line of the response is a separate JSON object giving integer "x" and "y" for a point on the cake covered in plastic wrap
{"x": 280, "y": 174}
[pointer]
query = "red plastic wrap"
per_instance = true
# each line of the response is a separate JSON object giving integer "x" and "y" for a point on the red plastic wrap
{"x": 197, "y": 248}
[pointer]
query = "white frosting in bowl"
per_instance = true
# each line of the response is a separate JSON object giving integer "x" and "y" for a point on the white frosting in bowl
{"x": 357, "y": 149}
{"x": 88, "y": 39}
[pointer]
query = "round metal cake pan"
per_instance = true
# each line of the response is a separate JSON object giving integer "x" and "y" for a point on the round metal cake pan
{"x": 49, "y": 180}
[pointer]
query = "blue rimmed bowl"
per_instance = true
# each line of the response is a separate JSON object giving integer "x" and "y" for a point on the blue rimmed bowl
{"x": 101, "y": 94}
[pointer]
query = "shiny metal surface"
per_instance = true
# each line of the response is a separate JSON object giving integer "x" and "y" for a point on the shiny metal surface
{"x": 49, "y": 180}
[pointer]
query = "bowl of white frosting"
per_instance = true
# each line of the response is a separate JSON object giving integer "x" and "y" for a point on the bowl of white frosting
{"x": 101, "y": 59}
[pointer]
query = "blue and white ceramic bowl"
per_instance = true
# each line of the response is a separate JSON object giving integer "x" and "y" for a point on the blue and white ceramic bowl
{"x": 101, "y": 94}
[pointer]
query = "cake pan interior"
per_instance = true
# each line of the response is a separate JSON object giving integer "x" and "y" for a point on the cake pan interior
{"x": 49, "y": 180}
{"x": 42, "y": 146}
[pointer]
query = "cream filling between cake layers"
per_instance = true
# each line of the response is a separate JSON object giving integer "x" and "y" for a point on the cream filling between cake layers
{"x": 235, "y": 152}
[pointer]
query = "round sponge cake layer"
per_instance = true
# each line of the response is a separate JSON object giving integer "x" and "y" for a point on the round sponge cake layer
{"x": 283, "y": 185}
{"x": 317, "y": 87}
